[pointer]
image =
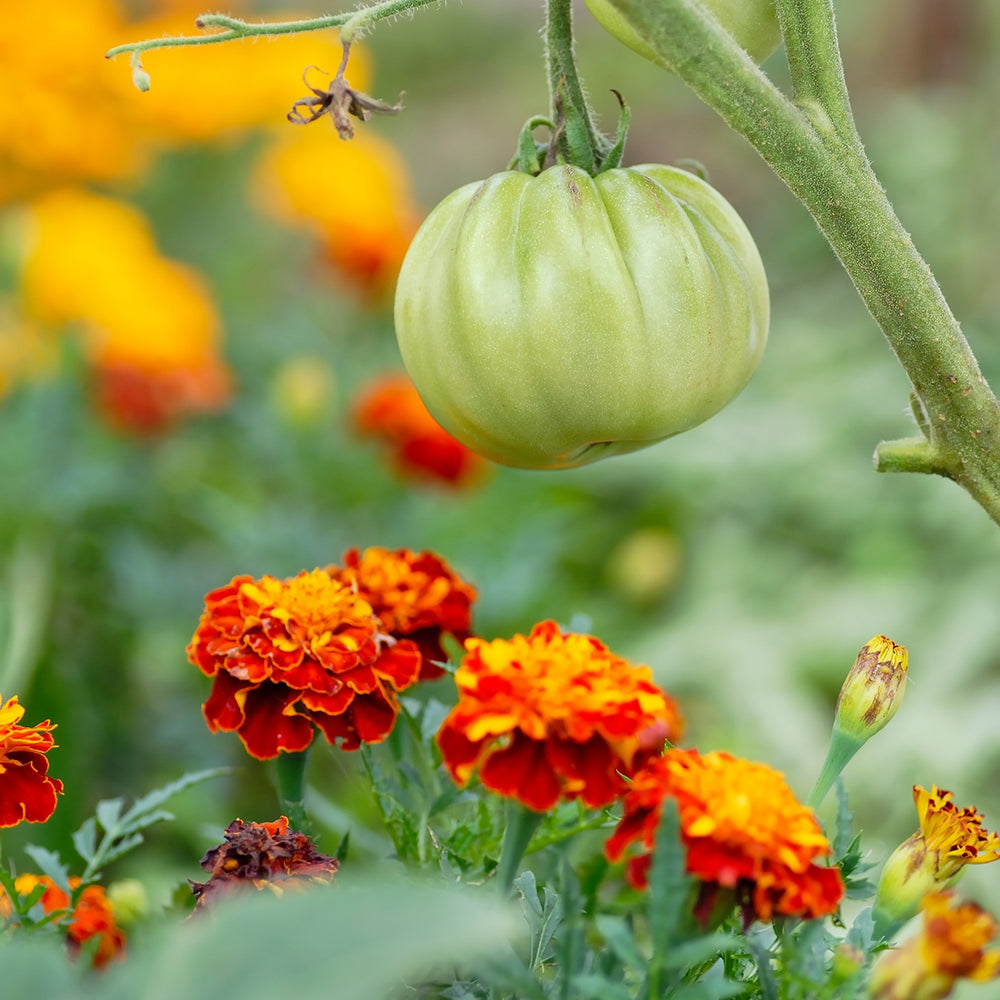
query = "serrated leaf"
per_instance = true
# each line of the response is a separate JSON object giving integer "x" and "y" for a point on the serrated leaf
{"x": 862, "y": 932}
{"x": 765, "y": 970}
{"x": 160, "y": 795}
{"x": 669, "y": 884}
{"x": 701, "y": 949}
{"x": 85, "y": 839}
{"x": 123, "y": 846}
{"x": 49, "y": 863}
{"x": 146, "y": 819}
{"x": 108, "y": 813}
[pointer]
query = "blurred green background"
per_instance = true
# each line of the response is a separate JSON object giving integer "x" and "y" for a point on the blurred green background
{"x": 746, "y": 561}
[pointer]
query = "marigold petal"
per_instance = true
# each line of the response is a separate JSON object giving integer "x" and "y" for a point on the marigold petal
{"x": 27, "y": 794}
{"x": 522, "y": 771}
{"x": 271, "y": 724}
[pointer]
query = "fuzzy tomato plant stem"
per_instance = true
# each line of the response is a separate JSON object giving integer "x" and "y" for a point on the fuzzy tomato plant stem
{"x": 811, "y": 143}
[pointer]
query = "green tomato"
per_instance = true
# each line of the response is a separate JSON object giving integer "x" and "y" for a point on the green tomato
{"x": 753, "y": 23}
{"x": 553, "y": 320}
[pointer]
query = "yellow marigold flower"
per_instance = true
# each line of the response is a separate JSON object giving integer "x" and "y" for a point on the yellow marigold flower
{"x": 744, "y": 831}
{"x": 151, "y": 331}
{"x": 353, "y": 196}
{"x": 951, "y": 945}
{"x": 27, "y": 793}
{"x": 415, "y": 595}
{"x": 874, "y": 688}
{"x": 287, "y": 655}
{"x": 551, "y": 715}
{"x": 934, "y": 857}
{"x": 63, "y": 116}
{"x": 92, "y": 916}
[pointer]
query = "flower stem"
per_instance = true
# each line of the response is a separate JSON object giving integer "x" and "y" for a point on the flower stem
{"x": 290, "y": 769}
{"x": 522, "y": 823}
{"x": 842, "y": 749}
{"x": 812, "y": 145}
{"x": 353, "y": 23}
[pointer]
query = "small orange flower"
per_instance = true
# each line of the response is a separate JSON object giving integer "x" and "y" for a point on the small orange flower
{"x": 949, "y": 838}
{"x": 744, "y": 831}
{"x": 415, "y": 596}
{"x": 262, "y": 855}
{"x": 26, "y": 790}
{"x": 391, "y": 410}
{"x": 92, "y": 916}
{"x": 951, "y": 945}
{"x": 549, "y": 716}
{"x": 289, "y": 654}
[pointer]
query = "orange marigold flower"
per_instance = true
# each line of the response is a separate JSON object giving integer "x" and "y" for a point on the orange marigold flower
{"x": 415, "y": 595}
{"x": 550, "y": 716}
{"x": 933, "y": 858}
{"x": 289, "y": 654}
{"x": 353, "y": 196}
{"x": 26, "y": 790}
{"x": 390, "y": 409}
{"x": 92, "y": 916}
{"x": 744, "y": 831}
{"x": 262, "y": 855}
{"x": 951, "y": 945}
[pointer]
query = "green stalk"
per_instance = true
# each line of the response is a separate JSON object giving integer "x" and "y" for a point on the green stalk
{"x": 842, "y": 748}
{"x": 290, "y": 769}
{"x": 522, "y": 823}
{"x": 812, "y": 145}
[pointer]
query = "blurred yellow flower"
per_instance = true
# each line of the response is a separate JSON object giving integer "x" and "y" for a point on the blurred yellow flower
{"x": 354, "y": 196}
{"x": 149, "y": 327}
{"x": 63, "y": 113}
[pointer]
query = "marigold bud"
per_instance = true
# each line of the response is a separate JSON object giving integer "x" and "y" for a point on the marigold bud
{"x": 874, "y": 688}
{"x": 933, "y": 858}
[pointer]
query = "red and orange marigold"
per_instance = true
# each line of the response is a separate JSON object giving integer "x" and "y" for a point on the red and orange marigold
{"x": 415, "y": 595}
{"x": 390, "y": 410}
{"x": 93, "y": 915}
{"x": 287, "y": 655}
{"x": 551, "y": 715}
{"x": 27, "y": 793}
{"x": 743, "y": 829}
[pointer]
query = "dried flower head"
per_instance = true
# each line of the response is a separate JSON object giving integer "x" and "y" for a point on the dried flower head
{"x": 415, "y": 595}
{"x": 287, "y": 655}
{"x": 340, "y": 101}
{"x": 744, "y": 831}
{"x": 549, "y": 716}
{"x": 261, "y": 856}
{"x": 27, "y": 793}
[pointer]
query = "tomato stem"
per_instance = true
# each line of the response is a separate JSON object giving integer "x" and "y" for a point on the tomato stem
{"x": 811, "y": 143}
{"x": 577, "y": 139}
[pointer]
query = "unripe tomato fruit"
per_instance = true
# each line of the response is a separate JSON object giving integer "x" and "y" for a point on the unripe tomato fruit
{"x": 553, "y": 320}
{"x": 753, "y": 23}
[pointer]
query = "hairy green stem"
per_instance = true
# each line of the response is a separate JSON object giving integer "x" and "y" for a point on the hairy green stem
{"x": 352, "y": 25}
{"x": 290, "y": 769}
{"x": 813, "y": 147}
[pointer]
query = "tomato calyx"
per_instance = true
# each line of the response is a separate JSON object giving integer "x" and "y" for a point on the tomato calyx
{"x": 340, "y": 101}
{"x": 569, "y": 142}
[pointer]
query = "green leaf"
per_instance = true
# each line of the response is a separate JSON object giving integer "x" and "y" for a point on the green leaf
{"x": 160, "y": 795}
{"x": 49, "y": 863}
{"x": 619, "y": 938}
{"x": 594, "y": 987}
{"x": 765, "y": 970}
{"x": 38, "y": 967}
{"x": 669, "y": 884}
{"x": 613, "y": 157}
{"x": 85, "y": 839}
{"x": 108, "y": 813}
{"x": 360, "y": 940}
